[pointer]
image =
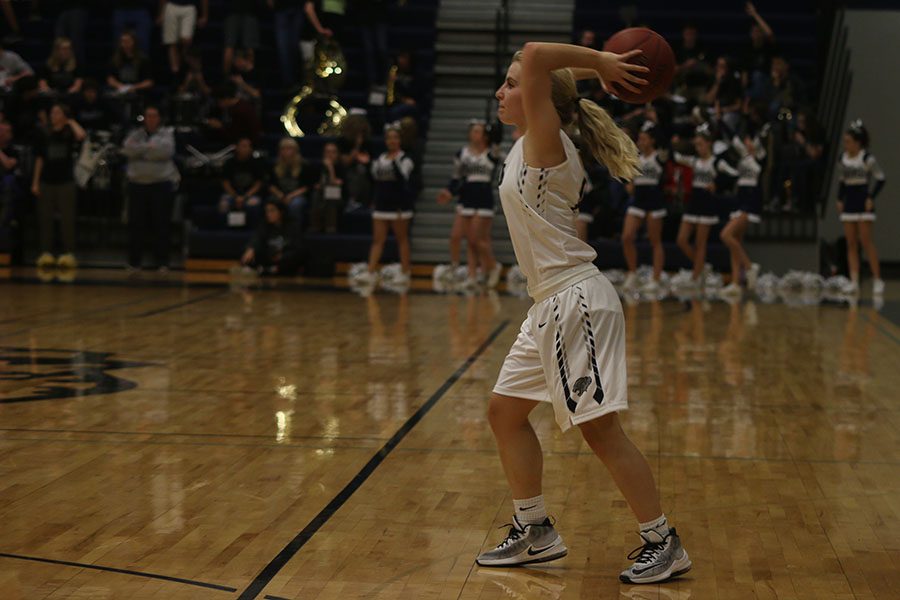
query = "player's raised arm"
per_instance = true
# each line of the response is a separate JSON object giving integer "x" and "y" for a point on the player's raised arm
{"x": 543, "y": 147}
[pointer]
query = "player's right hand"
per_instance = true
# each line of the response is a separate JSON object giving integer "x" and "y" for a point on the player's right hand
{"x": 615, "y": 68}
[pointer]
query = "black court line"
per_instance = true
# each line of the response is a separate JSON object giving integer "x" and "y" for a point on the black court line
{"x": 157, "y": 311}
{"x": 891, "y": 311}
{"x": 66, "y": 563}
{"x": 75, "y": 316}
{"x": 288, "y": 552}
{"x": 876, "y": 322}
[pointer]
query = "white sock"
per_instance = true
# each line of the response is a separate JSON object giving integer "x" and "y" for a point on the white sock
{"x": 659, "y": 525}
{"x": 530, "y": 511}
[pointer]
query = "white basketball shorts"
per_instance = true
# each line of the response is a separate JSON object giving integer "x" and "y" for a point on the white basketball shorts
{"x": 571, "y": 352}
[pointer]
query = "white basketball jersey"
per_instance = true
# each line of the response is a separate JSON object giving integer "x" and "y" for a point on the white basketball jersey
{"x": 541, "y": 206}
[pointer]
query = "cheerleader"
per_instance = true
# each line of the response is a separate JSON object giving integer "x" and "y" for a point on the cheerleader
{"x": 646, "y": 203}
{"x": 861, "y": 179}
{"x": 702, "y": 212}
{"x": 474, "y": 172}
{"x": 393, "y": 205}
{"x": 749, "y": 210}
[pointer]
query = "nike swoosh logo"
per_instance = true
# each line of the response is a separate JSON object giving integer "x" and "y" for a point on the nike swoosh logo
{"x": 532, "y": 551}
{"x": 524, "y": 508}
{"x": 639, "y": 571}
{"x": 542, "y": 324}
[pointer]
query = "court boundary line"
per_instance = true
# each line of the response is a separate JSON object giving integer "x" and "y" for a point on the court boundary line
{"x": 268, "y": 573}
{"x": 69, "y": 563}
{"x": 194, "y": 300}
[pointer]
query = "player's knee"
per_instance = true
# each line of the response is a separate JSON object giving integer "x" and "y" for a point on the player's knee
{"x": 602, "y": 434}
{"x": 501, "y": 414}
{"x": 628, "y": 237}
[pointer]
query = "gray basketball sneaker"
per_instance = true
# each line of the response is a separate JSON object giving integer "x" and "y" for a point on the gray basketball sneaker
{"x": 660, "y": 558}
{"x": 525, "y": 544}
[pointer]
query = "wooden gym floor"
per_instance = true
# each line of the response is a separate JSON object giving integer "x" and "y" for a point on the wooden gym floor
{"x": 173, "y": 442}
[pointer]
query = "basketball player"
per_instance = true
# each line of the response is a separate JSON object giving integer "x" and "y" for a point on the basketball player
{"x": 393, "y": 206}
{"x": 647, "y": 204}
{"x": 752, "y": 154}
{"x": 570, "y": 350}
{"x": 861, "y": 179}
{"x": 702, "y": 211}
{"x": 474, "y": 171}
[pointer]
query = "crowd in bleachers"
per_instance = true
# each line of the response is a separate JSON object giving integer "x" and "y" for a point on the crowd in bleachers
{"x": 221, "y": 93}
{"x": 190, "y": 84}
{"x": 748, "y": 89}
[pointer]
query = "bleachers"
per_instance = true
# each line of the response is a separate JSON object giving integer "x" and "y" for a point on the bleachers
{"x": 411, "y": 27}
{"x": 723, "y": 29}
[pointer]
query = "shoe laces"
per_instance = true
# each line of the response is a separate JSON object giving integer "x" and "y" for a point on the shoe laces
{"x": 517, "y": 530}
{"x": 649, "y": 552}
{"x": 514, "y": 534}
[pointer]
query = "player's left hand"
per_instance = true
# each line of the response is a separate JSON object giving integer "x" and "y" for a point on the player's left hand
{"x": 870, "y": 205}
{"x": 615, "y": 68}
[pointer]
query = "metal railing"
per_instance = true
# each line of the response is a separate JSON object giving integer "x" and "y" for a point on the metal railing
{"x": 835, "y": 92}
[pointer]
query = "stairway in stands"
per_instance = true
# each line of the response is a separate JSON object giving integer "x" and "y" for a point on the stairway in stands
{"x": 465, "y": 80}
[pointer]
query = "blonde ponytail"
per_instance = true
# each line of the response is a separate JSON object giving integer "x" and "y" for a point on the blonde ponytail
{"x": 600, "y": 135}
{"x": 606, "y": 141}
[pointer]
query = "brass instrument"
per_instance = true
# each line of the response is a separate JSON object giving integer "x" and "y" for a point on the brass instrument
{"x": 307, "y": 102}
{"x": 391, "y": 82}
{"x": 330, "y": 65}
{"x": 329, "y": 72}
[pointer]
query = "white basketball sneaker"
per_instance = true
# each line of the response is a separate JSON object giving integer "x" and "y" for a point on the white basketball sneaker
{"x": 651, "y": 287}
{"x": 494, "y": 276}
{"x": 659, "y": 559}
{"x": 752, "y": 276}
{"x": 851, "y": 288}
{"x": 525, "y": 544}
{"x": 732, "y": 290}
{"x": 631, "y": 281}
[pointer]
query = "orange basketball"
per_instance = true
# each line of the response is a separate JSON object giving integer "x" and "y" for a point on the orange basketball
{"x": 657, "y": 56}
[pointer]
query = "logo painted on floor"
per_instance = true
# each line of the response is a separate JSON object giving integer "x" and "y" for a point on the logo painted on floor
{"x": 34, "y": 374}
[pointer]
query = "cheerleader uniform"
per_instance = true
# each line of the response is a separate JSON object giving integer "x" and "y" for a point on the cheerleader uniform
{"x": 703, "y": 208}
{"x": 648, "y": 196}
{"x": 473, "y": 182}
{"x": 393, "y": 197}
{"x": 860, "y": 178}
{"x": 749, "y": 169}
